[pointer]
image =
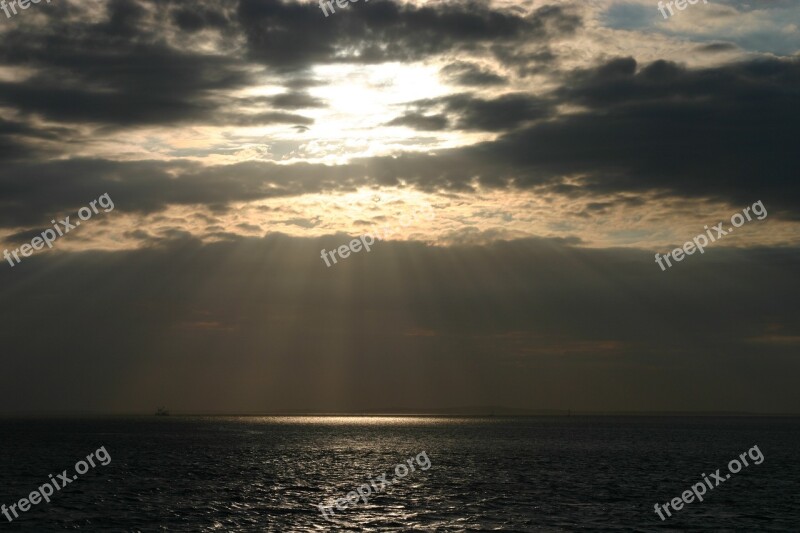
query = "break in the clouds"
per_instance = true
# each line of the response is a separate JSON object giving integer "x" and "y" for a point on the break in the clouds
{"x": 560, "y": 144}
{"x": 769, "y": 27}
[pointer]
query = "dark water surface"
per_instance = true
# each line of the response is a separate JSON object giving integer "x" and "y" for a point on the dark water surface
{"x": 498, "y": 474}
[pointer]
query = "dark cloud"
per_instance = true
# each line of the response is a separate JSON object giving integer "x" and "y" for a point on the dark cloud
{"x": 526, "y": 62}
{"x": 716, "y": 132}
{"x": 291, "y": 36}
{"x": 419, "y": 121}
{"x": 465, "y": 323}
{"x": 33, "y": 193}
{"x": 116, "y": 70}
{"x": 247, "y": 318}
{"x": 474, "y": 113}
{"x": 197, "y": 18}
{"x": 20, "y": 141}
{"x": 269, "y": 117}
{"x": 288, "y": 100}
{"x": 248, "y": 227}
{"x": 124, "y": 18}
{"x": 464, "y": 73}
{"x": 47, "y": 96}
{"x": 722, "y": 132}
{"x": 302, "y": 222}
{"x": 302, "y": 83}
{"x": 713, "y": 48}
{"x": 295, "y": 100}
{"x": 23, "y": 129}
{"x": 120, "y": 70}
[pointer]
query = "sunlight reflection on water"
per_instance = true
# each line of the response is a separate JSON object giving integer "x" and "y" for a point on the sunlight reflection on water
{"x": 354, "y": 420}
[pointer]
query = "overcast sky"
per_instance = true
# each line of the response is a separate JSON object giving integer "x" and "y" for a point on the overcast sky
{"x": 560, "y": 145}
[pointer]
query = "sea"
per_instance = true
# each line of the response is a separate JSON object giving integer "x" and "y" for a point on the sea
{"x": 557, "y": 473}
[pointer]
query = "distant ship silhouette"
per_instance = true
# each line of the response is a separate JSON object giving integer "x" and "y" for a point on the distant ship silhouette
{"x": 162, "y": 412}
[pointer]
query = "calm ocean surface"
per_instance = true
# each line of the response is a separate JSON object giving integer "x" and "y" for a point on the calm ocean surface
{"x": 491, "y": 474}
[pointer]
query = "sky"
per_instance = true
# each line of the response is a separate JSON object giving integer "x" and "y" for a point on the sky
{"x": 555, "y": 148}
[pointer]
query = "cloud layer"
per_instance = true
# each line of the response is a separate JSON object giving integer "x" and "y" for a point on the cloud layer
{"x": 561, "y": 144}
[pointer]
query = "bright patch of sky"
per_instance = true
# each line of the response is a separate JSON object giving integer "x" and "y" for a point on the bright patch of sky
{"x": 749, "y": 25}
